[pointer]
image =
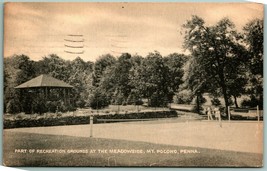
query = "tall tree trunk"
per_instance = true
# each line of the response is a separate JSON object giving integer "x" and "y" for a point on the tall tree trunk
{"x": 198, "y": 105}
{"x": 225, "y": 99}
{"x": 261, "y": 101}
{"x": 224, "y": 91}
{"x": 236, "y": 105}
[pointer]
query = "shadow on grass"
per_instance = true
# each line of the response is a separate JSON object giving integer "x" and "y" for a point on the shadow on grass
{"x": 56, "y": 150}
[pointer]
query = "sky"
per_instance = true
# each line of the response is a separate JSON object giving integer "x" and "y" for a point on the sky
{"x": 89, "y": 30}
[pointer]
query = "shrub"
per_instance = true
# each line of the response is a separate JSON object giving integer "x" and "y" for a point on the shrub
{"x": 183, "y": 97}
{"x": 19, "y": 116}
{"x": 98, "y": 100}
{"x": 80, "y": 103}
{"x": 51, "y": 106}
{"x": 58, "y": 119}
{"x": 215, "y": 102}
{"x": 39, "y": 105}
{"x": 158, "y": 100}
{"x": 139, "y": 102}
{"x": 71, "y": 108}
{"x": 199, "y": 100}
{"x": 252, "y": 102}
{"x": 13, "y": 106}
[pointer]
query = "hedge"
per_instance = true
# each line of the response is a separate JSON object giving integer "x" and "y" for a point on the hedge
{"x": 76, "y": 120}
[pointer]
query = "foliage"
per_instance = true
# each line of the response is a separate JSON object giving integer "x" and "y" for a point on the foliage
{"x": 120, "y": 79}
{"x": 131, "y": 78}
{"x": 13, "y": 106}
{"x": 252, "y": 102}
{"x": 175, "y": 63}
{"x": 152, "y": 80}
{"x": 103, "y": 63}
{"x": 98, "y": 100}
{"x": 184, "y": 96}
{"x": 215, "y": 102}
{"x": 253, "y": 33}
{"x": 217, "y": 55}
{"x": 77, "y": 73}
{"x": 199, "y": 100}
{"x": 18, "y": 69}
{"x": 223, "y": 63}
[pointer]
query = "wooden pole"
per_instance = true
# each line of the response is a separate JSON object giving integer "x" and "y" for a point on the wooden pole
{"x": 91, "y": 126}
{"x": 220, "y": 119}
{"x": 229, "y": 114}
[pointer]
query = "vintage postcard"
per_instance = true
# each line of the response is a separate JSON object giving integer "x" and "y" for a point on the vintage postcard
{"x": 133, "y": 84}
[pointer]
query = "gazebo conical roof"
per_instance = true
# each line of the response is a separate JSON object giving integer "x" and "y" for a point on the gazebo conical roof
{"x": 44, "y": 81}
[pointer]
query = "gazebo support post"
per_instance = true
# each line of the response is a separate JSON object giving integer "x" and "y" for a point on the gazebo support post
{"x": 45, "y": 93}
{"x": 48, "y": 92}
{"x": 20, "y": 98}
{"x": 68, "y": 96}
{"x": 64, "y": 92}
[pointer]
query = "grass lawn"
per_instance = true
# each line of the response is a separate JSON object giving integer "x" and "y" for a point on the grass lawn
{"x": 185, "y": 156}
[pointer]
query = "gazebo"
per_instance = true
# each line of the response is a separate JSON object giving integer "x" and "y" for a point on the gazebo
{"x": 44, "y": 85}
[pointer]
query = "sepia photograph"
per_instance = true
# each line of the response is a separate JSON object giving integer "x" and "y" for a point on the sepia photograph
{"x": 133, "y": 84}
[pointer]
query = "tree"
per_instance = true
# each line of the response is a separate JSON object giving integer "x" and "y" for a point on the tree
{"x": 115, "y": 80}
{"x": 81, "y": 78}
{"x": 98, "y": 99}
{"x": 150, "y": 79}
{"x": 18, "y": 69}
{"x": 216, "y": 52}
{"x": 196, "y": 81}
{"x": 237, "y": 85}
{"x": 121, "y": 72}
{"x": 54, "y": 66}
{"x": 103, "y": 63}
{"x": 253, "y": 36}
{"x": 253, "y": 32}
{"x": 175, "y": 63}
{"x": 25, "y": 67}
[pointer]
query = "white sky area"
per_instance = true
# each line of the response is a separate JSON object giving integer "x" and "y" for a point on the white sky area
{"x": 39, "y": 29}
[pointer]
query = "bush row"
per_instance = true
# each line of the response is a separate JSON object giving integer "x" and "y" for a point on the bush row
{"x": 141, "y": 115}
{"x": 76, "y": 120}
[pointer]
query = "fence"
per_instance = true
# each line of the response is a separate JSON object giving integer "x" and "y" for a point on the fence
{"x": 249, "y": 113}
